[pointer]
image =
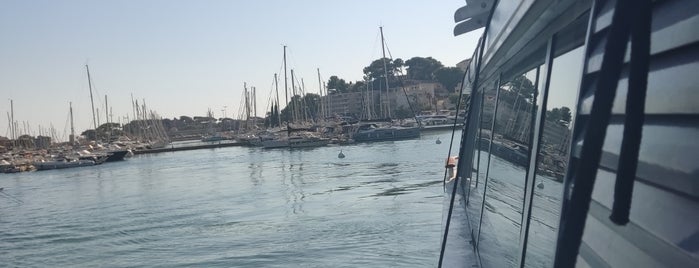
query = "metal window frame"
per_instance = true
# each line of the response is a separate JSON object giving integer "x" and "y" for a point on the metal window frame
{"x": 535, "y": 143}
{"x": 490, "y": 147}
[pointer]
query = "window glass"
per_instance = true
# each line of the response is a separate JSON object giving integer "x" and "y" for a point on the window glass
{"x": 487, "y": 112}
{"x": 552, "y": 158}
{"x": 509, "y": 155}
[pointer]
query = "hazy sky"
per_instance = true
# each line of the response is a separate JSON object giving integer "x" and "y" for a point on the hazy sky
{"x": 184, "y": 57}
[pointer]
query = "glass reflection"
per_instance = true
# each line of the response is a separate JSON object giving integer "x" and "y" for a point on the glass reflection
{"x": 509, "y": 154}
{"x": 552, "y": 158}
{"x": 487, "y": 112}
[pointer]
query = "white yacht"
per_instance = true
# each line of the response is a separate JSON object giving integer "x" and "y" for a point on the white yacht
{"x": 602, "y": 93}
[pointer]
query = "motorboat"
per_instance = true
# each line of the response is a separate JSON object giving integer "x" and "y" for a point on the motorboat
{"x": 376, "y": 132}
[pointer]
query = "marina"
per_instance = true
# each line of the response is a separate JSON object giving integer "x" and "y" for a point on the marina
{"x": 534, "y": 133}
{"x": 235, "y": 206}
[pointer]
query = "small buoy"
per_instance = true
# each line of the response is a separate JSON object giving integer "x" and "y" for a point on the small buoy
{"x": 540, "y": 185}
{"x": 340, "y": 155}
{"x": 438, "y": 141}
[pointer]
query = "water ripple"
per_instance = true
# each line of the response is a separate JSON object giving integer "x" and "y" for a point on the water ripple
{"x": 233, "y": 207}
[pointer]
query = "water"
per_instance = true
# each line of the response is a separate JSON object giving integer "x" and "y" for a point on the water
{"x": 233, "y": 207}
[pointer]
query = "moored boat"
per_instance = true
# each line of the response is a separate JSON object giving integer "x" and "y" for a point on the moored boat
{"x": 307, "y": 141}
{"x": 63, "y": 163}
{"x": 374, "y": 132}
{"x": 438, "y": 122}
{"x": 117, "y": 155}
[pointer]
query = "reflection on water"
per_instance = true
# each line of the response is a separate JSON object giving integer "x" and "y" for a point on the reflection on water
{"x": 233, "y": 207}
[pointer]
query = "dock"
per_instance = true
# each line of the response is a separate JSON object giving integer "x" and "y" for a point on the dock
{"x": 188, "y": 148}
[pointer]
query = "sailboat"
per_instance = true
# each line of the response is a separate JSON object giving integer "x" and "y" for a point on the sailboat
{"x": 113, "y": 152}
{"x": 295, "y": 138}
{"x": 212, "y": 136}
{"x": 383, "y": 131}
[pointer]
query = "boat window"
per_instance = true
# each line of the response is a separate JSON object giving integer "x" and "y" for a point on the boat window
{"x": 483, "y": 136}
{"x": 552, "y": 158}
{"x": 509, "y": 155}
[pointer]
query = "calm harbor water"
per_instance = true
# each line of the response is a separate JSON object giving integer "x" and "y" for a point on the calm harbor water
{"x": 381, "y": 206}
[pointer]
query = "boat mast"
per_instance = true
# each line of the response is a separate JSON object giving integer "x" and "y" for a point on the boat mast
{"x": 106, "y": 108}
{"x": 92, "y": 102}
{"x": 133, "y": 107}
{"x": 247, "y": 106}
{"x": 13, "y": 129}
{"x": 303, "y": 109}
{"x": 72, "y": 128}
{"x": 9, "y": 125}
{"x": 276, "y": 89}
{"x": 293, "y": 92}
{"x": 106, "y": 117}
{"x": 320, "y": 89}
{"x": 368, "y": 99}
{"x": 385, "y": 70}
{"x": 286, "y": 93}
{"x": 328, "y": 100}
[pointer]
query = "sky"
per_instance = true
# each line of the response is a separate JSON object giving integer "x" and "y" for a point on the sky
{"x": 186, "y": 57}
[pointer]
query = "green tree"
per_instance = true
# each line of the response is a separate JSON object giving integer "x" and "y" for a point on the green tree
{"x": 399, "y": 64}
{"x": 565, "y": 114}
{"x": 559, "y": 115}
{"x": 338, "y": 84}
{"x": 312, "y": 105}
{"x": 357, "y": 86}
{"x": 272, "y": 119}
{"x": 375, "y": 72}
{"x": 186, "y": 119}
{"x": 449, "y": 77}
{"x": 305, "y": 107}
{"x": 420, "y": 68}
{"x": 523, "y": 85}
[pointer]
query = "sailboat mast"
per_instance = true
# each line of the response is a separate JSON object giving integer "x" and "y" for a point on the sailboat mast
{"x": 133, "y": 107}
{"x": 247, "y": 106}
{"x": 385, "y": 70}
{"x": 106, "y": 117}
{"x": 369, "y": 100}
{"x": 276, "y": 88}
{"x": 106, "y": 109}
{"x": 328, "y": 109}
{"x": 303, "y": 110}
{"x": 9, "y": 125}
{"x": 320, "y": 90}
{"x": 12, "y": 120}
{"x": 72, "y": 128}
{"x": 92, "y": 102}
{"x": 293, "y": 94}
{"x": 286, "y": 93}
